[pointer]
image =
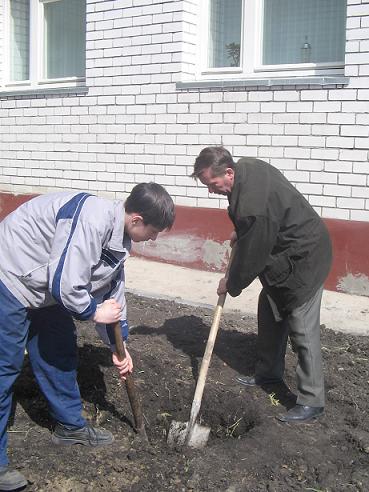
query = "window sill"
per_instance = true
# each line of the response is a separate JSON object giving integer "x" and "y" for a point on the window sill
{"x": 264, "y": 82}
{"x": 44, "y": 91}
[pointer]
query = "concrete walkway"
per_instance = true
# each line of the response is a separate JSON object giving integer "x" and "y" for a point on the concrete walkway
{"x": 340, "y": 312}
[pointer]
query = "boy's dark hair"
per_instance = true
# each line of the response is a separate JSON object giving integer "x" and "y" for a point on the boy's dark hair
{"x": 217, "y": 158}
{"x": 153, "y": 203}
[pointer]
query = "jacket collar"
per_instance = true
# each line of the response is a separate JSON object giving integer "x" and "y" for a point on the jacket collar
{"x": 119, "y": 241}
{"x": 239, "y": 173}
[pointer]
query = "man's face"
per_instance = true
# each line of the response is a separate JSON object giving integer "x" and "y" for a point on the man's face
{"x": 222, "y": 185}
{"x": 138, "y": 231}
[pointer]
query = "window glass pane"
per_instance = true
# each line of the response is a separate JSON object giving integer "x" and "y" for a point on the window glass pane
{"x": 19, "y": 40}
{"x": 304, "y": 31}
{"x": 225, "y": 18}
{"x": 65, "y": 38}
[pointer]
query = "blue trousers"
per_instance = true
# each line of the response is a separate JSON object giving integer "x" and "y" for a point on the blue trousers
{"x": 50, "y": 337}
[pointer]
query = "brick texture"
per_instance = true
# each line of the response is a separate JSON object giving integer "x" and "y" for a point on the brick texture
{"x": 134, "y": 125}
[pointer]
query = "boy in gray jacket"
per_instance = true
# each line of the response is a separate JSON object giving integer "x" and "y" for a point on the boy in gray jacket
{"x": 62, "y": 257}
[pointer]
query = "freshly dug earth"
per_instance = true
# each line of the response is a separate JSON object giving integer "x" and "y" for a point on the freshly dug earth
{"x": 248, "y": 449}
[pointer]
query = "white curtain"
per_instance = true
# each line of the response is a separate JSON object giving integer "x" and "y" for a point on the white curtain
{"x": 303, "y": 31}
{"x": 19, "y": 40}
{"x": 225, "y": 17}
{"x": 65, "y": 38}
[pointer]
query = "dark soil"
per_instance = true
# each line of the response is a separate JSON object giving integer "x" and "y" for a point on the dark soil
{"x": 248, "y": 449}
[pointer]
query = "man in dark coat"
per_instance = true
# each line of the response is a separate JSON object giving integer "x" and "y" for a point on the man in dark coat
{"x": 282, "y": 240}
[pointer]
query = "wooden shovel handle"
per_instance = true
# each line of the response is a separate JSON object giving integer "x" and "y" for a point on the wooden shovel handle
{"x": 208, "y": 352}
{"x": 130, "y": 384}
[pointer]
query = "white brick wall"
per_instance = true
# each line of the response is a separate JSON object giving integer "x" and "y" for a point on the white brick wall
{"x": 133, "y": 125}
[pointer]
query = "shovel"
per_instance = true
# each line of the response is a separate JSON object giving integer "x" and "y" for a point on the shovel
{"x": 190, "y": 433}
{"x": 130, "y": 385}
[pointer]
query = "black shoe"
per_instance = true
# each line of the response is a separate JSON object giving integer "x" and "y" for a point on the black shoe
{"x": 254, "y": 381}
{"x": 301, "y": 413}
{"x": 11, "y": 479}
{"x": 87, "y": 436}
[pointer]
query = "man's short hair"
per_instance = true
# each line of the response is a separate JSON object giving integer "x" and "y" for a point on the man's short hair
{"x": 153, "y": 203}
{"x": 217, "y": 158}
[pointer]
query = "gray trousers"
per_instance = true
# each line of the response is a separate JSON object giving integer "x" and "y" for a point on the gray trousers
{"x": 302, "y": 326}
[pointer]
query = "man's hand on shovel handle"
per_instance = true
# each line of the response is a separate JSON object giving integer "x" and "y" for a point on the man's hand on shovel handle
{"x": 222, "y": 287}
{"x": 125, "y": 366}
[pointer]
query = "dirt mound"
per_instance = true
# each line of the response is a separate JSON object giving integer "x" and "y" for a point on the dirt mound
{"x": 248, "y": 449}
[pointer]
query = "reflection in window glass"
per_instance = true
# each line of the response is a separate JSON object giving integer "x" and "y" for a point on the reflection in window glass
{"x": 225, "y": 17}
{"x": 304, "y": 31}
{"x": 65, "y": 38}
{"x": 19, "y": 40}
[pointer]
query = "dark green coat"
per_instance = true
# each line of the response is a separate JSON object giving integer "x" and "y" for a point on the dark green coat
{"x": 281, "y": 239}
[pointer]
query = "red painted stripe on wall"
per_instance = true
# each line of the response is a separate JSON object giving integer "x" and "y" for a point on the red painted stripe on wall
{"x": 199, "y": 239}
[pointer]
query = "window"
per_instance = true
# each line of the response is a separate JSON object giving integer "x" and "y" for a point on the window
{"x": 224, "y": 33}
{"x": 19, "y": 40}
{"x": 45, "y": 43}
{"x": 255, "y": 38}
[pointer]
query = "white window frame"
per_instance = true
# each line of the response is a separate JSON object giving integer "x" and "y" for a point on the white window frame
{"x": 36, "y": 54}
{"x": 250, "y": 65}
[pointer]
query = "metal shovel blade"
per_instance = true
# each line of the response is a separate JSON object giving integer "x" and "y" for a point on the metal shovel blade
{"x": 178, "y": 435}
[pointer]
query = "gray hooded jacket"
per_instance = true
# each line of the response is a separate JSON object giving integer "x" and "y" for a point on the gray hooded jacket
{"x": 65, "y": 248}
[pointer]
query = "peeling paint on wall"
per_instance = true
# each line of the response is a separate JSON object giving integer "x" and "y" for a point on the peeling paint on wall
{"x": 215, "y": 254}
{"x": 186, "y": 249}
{"x": 203, "y": 244}
{"x": 354, "y": 284}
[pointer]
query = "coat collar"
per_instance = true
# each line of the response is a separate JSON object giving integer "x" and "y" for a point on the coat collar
{"x": 239, "y": 172}
{"x": 119, "y": 241}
